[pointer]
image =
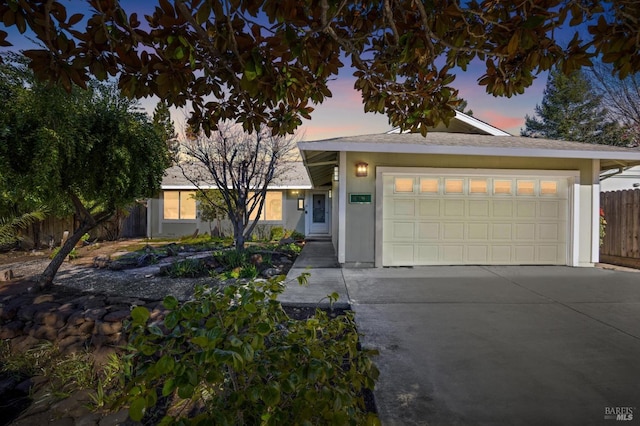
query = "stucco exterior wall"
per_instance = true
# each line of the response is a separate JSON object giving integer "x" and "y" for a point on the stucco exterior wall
{"x": 361, "y": 218}
{"x": 292, "y": 219}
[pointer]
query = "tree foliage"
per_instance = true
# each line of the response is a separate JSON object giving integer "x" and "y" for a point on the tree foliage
{"x": 620, "y": 97}
{"x": 89, "y": 152}
{"x": 571, "y": 110}
{"x": 266, "y": 62}
{"x": 241, "y": 165}
{"x": 10, "y": 227}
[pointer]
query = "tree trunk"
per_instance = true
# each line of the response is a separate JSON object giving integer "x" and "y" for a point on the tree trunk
{"x": 46, "y": 279}
{"x": 238, "y": 236}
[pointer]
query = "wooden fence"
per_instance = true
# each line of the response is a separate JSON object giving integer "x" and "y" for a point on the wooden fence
{"x": 621, "y": 244}
{"x": 130, "y": 224}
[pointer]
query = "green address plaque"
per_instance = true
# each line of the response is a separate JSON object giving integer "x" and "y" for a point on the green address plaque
{"x": 360, "y": 198}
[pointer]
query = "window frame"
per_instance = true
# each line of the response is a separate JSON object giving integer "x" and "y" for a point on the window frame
{"x": 180, "y": 200}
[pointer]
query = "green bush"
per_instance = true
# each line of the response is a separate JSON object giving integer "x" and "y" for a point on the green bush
{"x": 73, "y": 254}
{"x": 232, "y": 259}
{"x": 188, "y": 268}
{"x": 248, "y": 271}
{"x": 277, "y": 233}
{"x": 236, "y": 356}
{"x": 291, "y": 248}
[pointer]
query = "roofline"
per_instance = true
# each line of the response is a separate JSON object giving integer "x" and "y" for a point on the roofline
{"x": 404, "y": 148}
{"x": 492, "y": 130}
{"x": 269, "y": 188}
{"x": 472, "y": 121}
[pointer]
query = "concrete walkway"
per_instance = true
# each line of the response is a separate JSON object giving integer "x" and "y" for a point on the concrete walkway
{"x": 318, "y": 258}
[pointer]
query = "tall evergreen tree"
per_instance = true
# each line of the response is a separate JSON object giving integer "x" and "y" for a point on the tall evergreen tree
{"x": 572, "y": 111}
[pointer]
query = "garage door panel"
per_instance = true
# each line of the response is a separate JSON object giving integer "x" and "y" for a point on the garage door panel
{"x": 502, "y": 231}
{"x": 429, "y": 208}
{"x": 478, "y": 208}
{"x": 452, "y": 254}
{"x": 453, "y": 231}
{"x": 550, "y": 209}
{"x": 400, "y": 230}
{"x": 454, "y": 208}
{"x": 525, "y": 231}
{"x": 428, "y": 231}
{"x": 526, "y": 209}
{"x": 548, "y": 253}
{"x": 502, "y": 208}
{"x": 427, "y": 254}
{"x": 478, "y": 231}
{"x": 478, "y": 254}
{"x": 404, "y": 208}
{"x": 501, "y": 254}
{"x": 549, "y": 231}
{"x": 525, "y": 254}
{"x": 475, "y": 220}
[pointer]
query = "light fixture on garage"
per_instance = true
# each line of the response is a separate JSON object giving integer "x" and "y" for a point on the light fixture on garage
{"x": 336, "y": 173}
{"x": 362, "y": 169}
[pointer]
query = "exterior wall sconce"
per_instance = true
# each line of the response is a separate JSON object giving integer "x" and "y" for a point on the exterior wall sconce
{"x": 336, "y": 173}
{"x": 362, "y": 169}
{"x": 301, "y": 203}
{"x": 330, "y": 193}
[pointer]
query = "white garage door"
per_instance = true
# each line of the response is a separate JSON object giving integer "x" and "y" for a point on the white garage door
{"x": 474, "y": 220}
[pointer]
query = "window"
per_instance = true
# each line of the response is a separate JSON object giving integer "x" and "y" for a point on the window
{"x": 526, "y": 187}
{"x": 272, "y": 209}
{"x": 429, "y": 185}
{"x": 477, "y": 186}
{"x": 179, "y": 205}
{"x": 502, "y": 187}
{"x": 548, "y": 187}
{"x": 404, "y": 185}
{"x": 454, "y": 186}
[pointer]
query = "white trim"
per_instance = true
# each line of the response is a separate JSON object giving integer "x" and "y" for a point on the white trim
{"x": 595, "y": 211}
{"x": 309, "y": 213}
{"x": 468, "y": 150}
{"x": 575, "y": 216}
{"x": 378, "y": 217}
{"x": 573, "y": 183}
{"x": 473, "y": 122}
{"x": 342, "y": 208}
{"x": 480, "y": 125}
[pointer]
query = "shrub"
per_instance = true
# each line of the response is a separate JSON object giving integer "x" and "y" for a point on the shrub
{"x": 188, "y": 268}
{"x": 298, "y": 236}
{"x": 232, "y": 259}
{"x": 237, "y": 353}
{"x": 277, "y": 233}
{"x": 73, "y": 254}
{"x": 291, "y": 248}
{"x": 248, "y": 271}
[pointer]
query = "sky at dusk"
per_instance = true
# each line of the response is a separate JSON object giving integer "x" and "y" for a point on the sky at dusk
{"x": 343, "y": 113}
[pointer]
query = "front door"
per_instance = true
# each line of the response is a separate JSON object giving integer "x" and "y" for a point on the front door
{"x": 319, "y": 213}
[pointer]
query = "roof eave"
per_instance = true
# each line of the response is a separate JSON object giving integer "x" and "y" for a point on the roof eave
{"x": 401, "y": 148}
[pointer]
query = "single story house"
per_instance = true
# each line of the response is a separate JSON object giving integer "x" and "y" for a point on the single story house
{"x": 464, "y": 194}
{"x": 468, "y": 193}
{"x": 174, "y": 212}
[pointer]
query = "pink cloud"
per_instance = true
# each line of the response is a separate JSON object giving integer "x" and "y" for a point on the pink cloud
{"x": 500, "y": 120}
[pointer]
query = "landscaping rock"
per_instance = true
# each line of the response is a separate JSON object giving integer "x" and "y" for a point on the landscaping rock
{"x": 146, "y": 260}
{"x": 271, "y": 272}
{"x": 101, "y": 262}
{"x": 256, "y": 259}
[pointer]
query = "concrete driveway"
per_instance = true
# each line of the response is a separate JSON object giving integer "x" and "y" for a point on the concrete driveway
{"x": 501, "y": 345}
